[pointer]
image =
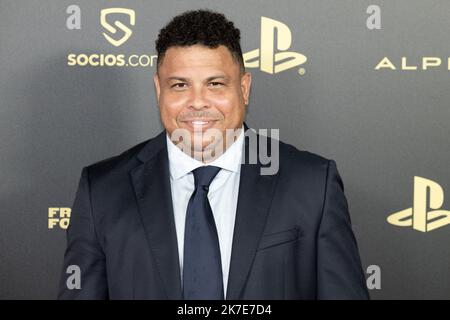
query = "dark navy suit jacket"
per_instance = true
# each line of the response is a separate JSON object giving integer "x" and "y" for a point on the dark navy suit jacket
{"x": 292, "y": 237}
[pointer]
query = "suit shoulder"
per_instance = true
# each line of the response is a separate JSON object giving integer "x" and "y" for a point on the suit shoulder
{"x": 113, "y": 162}
{"x": 302, "y": 168}
{"x": 123, "y": 161}
{"x": 291, "y": 155}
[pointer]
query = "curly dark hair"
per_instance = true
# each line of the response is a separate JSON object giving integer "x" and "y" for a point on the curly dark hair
{"x": 204, "y": 27}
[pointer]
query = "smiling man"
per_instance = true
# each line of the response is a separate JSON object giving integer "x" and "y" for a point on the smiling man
{"x": 183, "y": 216}
{"x": 200, "y": 88}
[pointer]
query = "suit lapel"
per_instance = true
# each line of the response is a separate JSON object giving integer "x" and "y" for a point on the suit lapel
{"x": 255, "y": 197}
{"x": 151, "y": 182}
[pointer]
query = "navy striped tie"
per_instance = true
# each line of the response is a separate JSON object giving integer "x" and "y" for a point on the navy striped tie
{"x": 202, "y": 267}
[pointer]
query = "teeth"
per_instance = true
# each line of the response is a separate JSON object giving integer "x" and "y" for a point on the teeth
{"x": 200, "y": 122}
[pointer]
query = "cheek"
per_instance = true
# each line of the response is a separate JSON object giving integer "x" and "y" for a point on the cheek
{"x": 228, "y": 106}
{"x": 171, "y": 107}
{"x": 173, "y": 101}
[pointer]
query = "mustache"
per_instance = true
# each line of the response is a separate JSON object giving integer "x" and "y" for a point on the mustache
{"x": 199, "y": 115}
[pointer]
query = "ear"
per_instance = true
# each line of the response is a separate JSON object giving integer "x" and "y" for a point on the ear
{"x": 157, "y": 86}
{"x": 246, "y": 83}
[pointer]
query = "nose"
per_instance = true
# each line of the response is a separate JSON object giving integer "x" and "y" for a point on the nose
{"x": 198, "y": 99}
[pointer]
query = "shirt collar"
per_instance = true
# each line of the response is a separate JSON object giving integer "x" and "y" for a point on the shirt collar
{"x": 181, "y": 164}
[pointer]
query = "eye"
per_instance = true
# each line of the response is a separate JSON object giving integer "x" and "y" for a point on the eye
{"x": 179, "y": 85}
{"x": 216, "y": 84}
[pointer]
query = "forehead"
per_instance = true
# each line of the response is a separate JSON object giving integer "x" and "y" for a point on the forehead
{"x": 198, "y": 58}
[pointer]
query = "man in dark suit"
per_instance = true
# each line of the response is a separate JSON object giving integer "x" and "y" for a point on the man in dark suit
{"x": 191, "y": 218}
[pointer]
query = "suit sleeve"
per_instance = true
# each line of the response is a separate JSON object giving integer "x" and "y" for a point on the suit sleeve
{"x": 340, "y": 274}
{"x": 83, "y": 250}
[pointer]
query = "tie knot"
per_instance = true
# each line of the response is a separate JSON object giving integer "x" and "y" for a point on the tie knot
{"x": 203, "y": 176}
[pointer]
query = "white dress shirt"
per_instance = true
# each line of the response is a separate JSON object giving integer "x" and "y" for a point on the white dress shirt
{"x": 222, "y": 195}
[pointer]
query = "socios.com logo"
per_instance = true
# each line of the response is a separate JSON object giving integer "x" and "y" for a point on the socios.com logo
{"x": 116, "y": 28}
{"x": 127, "y": 32}
{"x": 419, "y": 216}
{"x": 272, "y": 56}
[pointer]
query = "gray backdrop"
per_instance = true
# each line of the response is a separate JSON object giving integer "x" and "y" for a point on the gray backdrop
{"x": 383, "y": 127}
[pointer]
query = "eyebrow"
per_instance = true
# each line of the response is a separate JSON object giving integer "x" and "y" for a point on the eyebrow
{"x": 207, "y": 79}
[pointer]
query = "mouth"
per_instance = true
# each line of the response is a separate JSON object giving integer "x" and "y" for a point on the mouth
{"x": 200, "y": 124}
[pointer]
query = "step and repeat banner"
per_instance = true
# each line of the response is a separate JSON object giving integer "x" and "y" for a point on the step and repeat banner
{"x": 366, "y": 83}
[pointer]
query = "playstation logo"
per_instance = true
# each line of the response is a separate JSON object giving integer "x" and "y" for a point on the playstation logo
{"x": 127, "y": 32}
{"x": 266, "y": 58}
{"x": 426, "y": 192}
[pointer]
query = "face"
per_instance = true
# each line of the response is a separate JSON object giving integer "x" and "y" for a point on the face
{"x": 199, "y": 88}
